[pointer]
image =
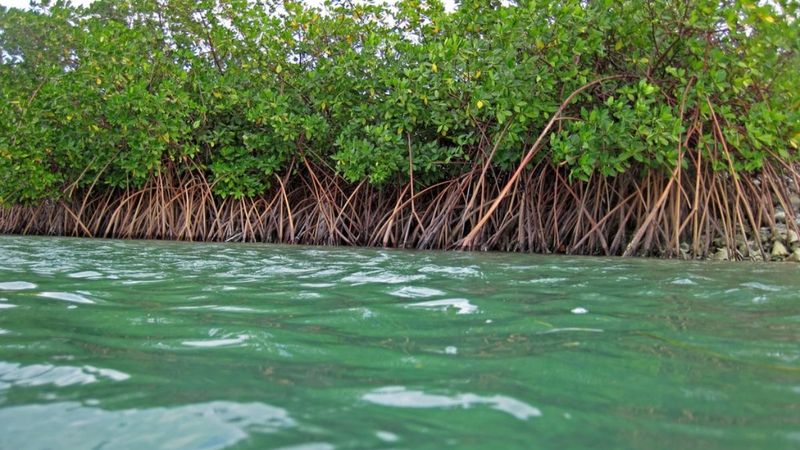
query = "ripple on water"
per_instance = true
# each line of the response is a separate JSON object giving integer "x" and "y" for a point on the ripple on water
{"x": 387, "y": 436}
{"x": 381, "y": 277}
{"x": 761, "y": 286}
{"x": 462, "y": 305}
{"x": 462, "y": 271}
{"x": 571, "y": 329}
{"x": 416, "y": 292}
{"x": 550, "y": 280}
{"x": 211, "y": 343}
{"x": 317, "y": 285}
{"x": 67, "y": 297}
{"x": 310, "y": 446}
{"x": 14, "y": 374}
{"x": 210, "y": 426}
{"x": 225, "y": 308}
{"x": 88, "y": 274}
{"x": 400, "y": 397}
{"x": 16, "y": 286}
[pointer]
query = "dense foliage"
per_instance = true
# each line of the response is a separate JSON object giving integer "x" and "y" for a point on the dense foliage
{"x": 112, "y": 94}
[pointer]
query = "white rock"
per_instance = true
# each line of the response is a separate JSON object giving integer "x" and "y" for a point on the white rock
{"x": 779, "y": 250}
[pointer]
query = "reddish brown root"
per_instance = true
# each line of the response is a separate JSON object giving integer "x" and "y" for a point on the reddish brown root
{"x": 657, "y": 215}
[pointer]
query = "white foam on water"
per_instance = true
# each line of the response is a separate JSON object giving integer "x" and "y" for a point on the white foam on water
{"x": 416, "y": 292}
{"x": 683, "y": 282}
{"x": 451, "y": 350}
{"x": 461, "y": 304}
{"x": 7, "y": 306}
{"x": 400, "y": 397}
{"x": 16, "y": 286}
{"x": 67, "y": 297}
{"x": 4, "y": 331}
{"x": 579, "y": 310}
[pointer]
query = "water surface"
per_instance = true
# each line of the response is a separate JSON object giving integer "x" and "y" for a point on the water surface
{"x": 123, "y": 345}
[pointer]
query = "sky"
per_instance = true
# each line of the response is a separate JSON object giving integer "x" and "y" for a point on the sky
{"x": 24, "y": 3}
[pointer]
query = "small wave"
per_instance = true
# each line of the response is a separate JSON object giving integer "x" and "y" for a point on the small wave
{"x": 387, "y": 436}
{"x": 210, "y": 343}
{"x": 761, "y": 286}
{"x": 381, "y": 277}
{"x": 67, "y": 297}
{"x": 16, "y": 286}
{"x": 89, "y": 274}
{"x": 400, "y": 397}
{"x": 416, "y": 292}
{"x": 15, "y": 374}
{"x": 317, "y": 285}
{"x": 552, "y": 280}
{"x": 683, "y": 282}
{"x": 216, "y": 308}
{"x": 465, "y": 271}
{"x": 210, "y": 426}
{"x": 570, "y": 329}
{"x": 461, "y": 304}
{"x": 366, "y": 313}
{"x": 310, "y": 446}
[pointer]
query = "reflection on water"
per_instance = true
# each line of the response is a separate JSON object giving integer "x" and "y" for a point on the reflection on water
{"x": 213, "y": 425}
{"x": 400, "y": 397}
{"x": 112, "y": 344}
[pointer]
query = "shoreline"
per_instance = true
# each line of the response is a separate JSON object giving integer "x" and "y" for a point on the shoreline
{"x": 170, "y": 209}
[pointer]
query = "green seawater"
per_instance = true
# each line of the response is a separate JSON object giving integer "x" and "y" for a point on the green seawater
{"x": 148, "y": 345}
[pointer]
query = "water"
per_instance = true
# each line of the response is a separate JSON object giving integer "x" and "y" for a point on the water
{"x": 116, "y": 345}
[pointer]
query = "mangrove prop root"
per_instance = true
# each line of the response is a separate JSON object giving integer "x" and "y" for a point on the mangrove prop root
{"x": 542, "y": 211}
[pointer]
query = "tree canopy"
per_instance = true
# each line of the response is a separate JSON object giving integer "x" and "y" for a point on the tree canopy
{"x": 114, "y": 93}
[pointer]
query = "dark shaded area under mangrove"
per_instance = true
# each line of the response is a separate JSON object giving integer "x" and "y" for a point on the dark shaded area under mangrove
{"x": 618, "y": 128}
